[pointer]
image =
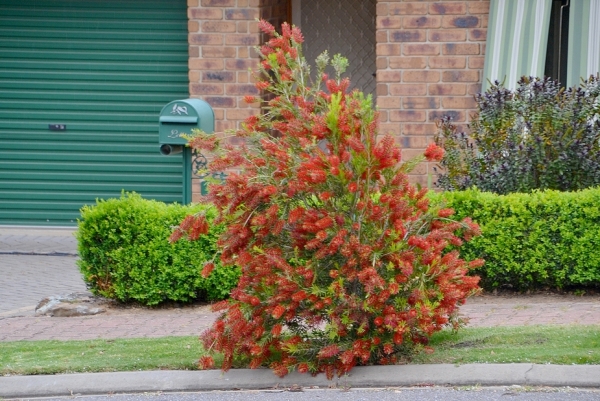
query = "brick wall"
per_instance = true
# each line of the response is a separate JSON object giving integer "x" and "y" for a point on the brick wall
{"x": 429, "y": 64}
{"x": 222, "y": 36}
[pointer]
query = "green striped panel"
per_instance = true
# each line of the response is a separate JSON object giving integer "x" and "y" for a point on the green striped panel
{"x": 104, "y": 68}
{"x": 517, "y": 37}
{"x": 584, "y": 40}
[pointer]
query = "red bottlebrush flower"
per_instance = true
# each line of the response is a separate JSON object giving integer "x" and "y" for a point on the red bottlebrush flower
{"x": 299, "y": 296}
{"x": 388, "y": 348}
{"x": 254, "y": 301}
{"x": 333, "y": 274}
{"x": 207, "y": 269}
{"x": 206, "y": 362}
{"x": 378, "y": 321}
{"x": 325, "y": 196}
{"x": 444, "y": 213}
{"x": 266, "y": 27}
{"x": 276, "y": 330}
{"x": 324, "y": 223}
{"x": 297, "y": 35}
{"x": 262, "y": 85}
{"x": 278, "y": 311}
{"x": 434, "y": 153}
{"x": 251, "y": 99}
{"x": 303, "y": 367}
{"x": 353, "y": 187}
{"x": 328, "y": 351}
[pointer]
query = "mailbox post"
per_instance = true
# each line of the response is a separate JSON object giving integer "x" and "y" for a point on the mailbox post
{"x": 176, "y": 119}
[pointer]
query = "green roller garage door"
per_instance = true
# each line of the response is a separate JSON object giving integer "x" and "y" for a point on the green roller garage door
{"x": 82, "y": 83}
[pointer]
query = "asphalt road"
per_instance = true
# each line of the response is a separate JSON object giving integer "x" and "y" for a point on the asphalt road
{"x": 516, "y": 393}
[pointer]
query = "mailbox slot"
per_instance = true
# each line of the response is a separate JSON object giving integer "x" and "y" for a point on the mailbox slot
{"x": 179, "y": 118}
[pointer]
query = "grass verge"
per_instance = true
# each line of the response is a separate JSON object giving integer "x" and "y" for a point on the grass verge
{"x": 528, "y": 344}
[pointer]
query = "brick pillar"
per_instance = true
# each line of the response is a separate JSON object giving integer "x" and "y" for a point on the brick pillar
{"x": 429, "y": 64}
{"x": 222, "y": 37}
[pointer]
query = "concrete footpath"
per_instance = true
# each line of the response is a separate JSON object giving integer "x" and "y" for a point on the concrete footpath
{"x": 39, "y": 262}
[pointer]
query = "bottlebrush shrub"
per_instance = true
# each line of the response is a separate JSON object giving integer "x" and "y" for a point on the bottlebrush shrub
{"x": 533, "y": 241}
{"x": 125, "y": 253}
{"x": 536, "y": 137}
{"x": 343, "y": 262}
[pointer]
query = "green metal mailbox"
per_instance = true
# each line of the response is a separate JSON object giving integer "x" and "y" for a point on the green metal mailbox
{"x": 176, "y": 119}
{"x": 180, "y": 117}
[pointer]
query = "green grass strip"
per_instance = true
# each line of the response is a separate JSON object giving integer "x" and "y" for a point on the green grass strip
{"x": 563, "y": 345}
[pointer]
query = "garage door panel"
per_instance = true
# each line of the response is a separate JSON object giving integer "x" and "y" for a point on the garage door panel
{"x": 104, "y": 69}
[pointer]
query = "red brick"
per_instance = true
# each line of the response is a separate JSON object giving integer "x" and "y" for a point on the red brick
{"x": 382, "y": 63}
{"x": 448, "y": 35}
{"x": 206, "y": 89}
{"x": 218, "y": 76}
{"x": 218, "y": 26}
{"x": 407, "y": 8}
{"x": 447, "y": 62}
{"x": 419, "y": 129}
{"x": 460, "y": 48}
{"x": 389, "y": 76}
{"x": 436, "y": 115}
{"x": 458, "y": 7}
{"x": 473, "y": 89}
{"x": 392, "y": 129}
{"x": 462, "y": 21}
{"x": 408, "y": 62}
{"x": 477, "y": 34}
{"x": 476, "y": 62}
{"x": 241, "y": 89}
{"x": 407, "y": 115}
{"x": 193, "y": 26}
{"x": 414, "y": 35}
{"x": 240, "y": 64}
{"x": 422, "y": 22}
{"x": 220, "y": 101}
{"x": 408, "y": 89}
{"x": 205, "y": 13}
{"x": 458, "y": 103}
{"x": 421, "y": 76}
{"x": 447, "y": 89}
{"x": 240, "y": 114}
{"x": 192, "y": 3}
{"x": 414, "y": 141}
{"x": 420, "y": 103}
{"x": 479, "y": 7}
{"x": 194, "y": 51}
{"x": 385, "y": 102}
{"x": 206, "y": 39}
{"x": 249, "y": 14}
{"x": 218, "y": 52}
{"x": 206, "y": 64}
{"x": 383, "y": 115}
{"x": 421, "y": 49}
{"x": 388, "y": 49}
{"x": 389, "y": 22}
{"x": 382, "y": 89}
{"x": 242, "y": 40}
{"x": 381, "y": 9}
{"x": 381, "y": 36}
{"x": 218, "y": 3}
{"x": 460, "y": 76}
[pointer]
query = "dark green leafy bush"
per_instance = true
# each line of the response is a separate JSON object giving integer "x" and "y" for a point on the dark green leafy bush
{"x": 125, "y": 253}
{"x": 544, "y": 239}
{"x": 536, "y": 137}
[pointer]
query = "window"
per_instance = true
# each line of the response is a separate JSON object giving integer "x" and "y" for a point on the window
{"x": 556, "y": 38}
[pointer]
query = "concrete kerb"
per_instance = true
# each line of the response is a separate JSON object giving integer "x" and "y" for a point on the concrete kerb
{"x": 246, "y": 379}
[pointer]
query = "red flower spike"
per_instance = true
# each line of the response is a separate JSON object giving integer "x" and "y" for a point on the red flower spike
{"x": 434, "y": 153}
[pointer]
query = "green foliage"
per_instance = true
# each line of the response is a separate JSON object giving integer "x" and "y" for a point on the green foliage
{"x": 125, "y": 253}
{"x": 538, "y": 136}
{"x": 533, "y": 241}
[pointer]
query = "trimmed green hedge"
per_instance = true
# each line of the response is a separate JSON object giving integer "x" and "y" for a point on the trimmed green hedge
{"x": 125, "y": 253}
{"x": 546, "y": 239}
